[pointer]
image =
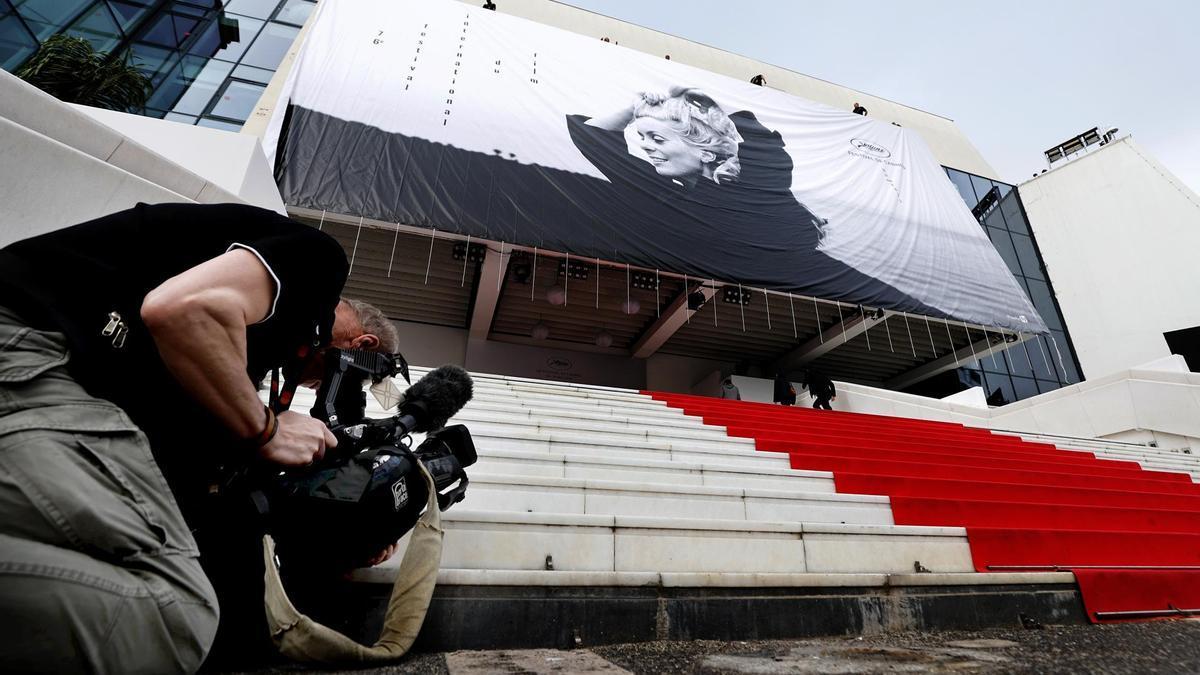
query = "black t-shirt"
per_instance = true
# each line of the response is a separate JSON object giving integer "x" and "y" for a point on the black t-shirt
{"x": 70, "y": 280}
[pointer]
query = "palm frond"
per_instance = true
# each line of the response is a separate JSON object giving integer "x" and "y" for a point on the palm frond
{"x": 69, "y": 69}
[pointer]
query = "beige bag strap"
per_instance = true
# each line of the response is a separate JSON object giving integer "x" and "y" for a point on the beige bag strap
{"x": 302, "y": 639}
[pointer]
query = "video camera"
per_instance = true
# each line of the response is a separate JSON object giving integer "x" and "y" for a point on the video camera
{"x": 368, "y": 491}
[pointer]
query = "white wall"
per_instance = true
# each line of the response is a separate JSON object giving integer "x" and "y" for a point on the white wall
{"x": 425, "y": 345}
{"x": 502, "y": 358}
{"x": 1120, "y": 237}
{"x": 59, "y": 167}
{"x": 233, "y": 161}
{"x": 684, "y": 374}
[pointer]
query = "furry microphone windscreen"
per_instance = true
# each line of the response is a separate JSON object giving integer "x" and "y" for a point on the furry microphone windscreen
{"x": 443, "y": 392}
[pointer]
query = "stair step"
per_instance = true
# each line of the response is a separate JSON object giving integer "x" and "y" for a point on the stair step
{"x": 516, "y": 541}
{"x": 598, "y": 467}
{"x": 530, "y": 494}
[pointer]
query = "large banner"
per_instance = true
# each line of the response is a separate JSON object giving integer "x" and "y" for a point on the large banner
{"x": 441, "y": 114}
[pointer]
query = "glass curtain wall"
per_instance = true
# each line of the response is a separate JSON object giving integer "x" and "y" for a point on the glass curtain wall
{"x": 208, "y": 61}
{"x": 1038, "y": 365}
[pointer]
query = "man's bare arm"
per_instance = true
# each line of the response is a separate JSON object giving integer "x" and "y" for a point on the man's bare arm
{"x": 198, "y": 320}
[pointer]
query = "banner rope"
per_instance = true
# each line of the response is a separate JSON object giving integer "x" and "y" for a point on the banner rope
{"x": 533, "y": 277}
{"x": 888, "y": 330}
{"x": 792, "y": 307}
{"x": 429, "y": 261}
{"x": 466, "y": 258}
{"x": 714, "y": 286}
{"x": 817, "y": 312}
{"x": 1061, "y": 366}
{"x": 908, "y": 328}
{"x": 500, "y": 271}
{"x": 354, "y": 253}
{"x": 972, "y": 346}
{"x": 742, "y": 307}
{"x": 392, "y": 259}
{"x": 932, "y": 344}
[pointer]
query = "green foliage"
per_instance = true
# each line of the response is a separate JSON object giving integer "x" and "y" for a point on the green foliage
{"x": 71, "y": 70}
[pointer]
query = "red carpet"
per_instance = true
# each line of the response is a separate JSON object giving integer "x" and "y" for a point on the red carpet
{"x": 1131, "y": 536}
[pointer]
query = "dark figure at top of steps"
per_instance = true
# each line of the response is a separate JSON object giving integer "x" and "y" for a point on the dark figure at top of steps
{"x": 785, "y": 393}
{"x": 820, "y": 387}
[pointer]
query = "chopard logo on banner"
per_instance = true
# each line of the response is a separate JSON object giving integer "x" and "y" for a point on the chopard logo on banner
{"x": 871, "y": 148}
{"x": 555, "y": 363}
{"x": 872, "y": 151}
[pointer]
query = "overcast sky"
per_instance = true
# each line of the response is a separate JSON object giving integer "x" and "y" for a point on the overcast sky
{"x": 1016, "y": 76}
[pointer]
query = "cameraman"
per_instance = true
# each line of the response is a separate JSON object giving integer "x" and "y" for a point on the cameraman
{"x": 130, "y": 349}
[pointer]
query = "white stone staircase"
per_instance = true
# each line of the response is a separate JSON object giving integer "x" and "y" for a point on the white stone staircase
{"x": 610, "y": 486}
{"x": 1149, "y": 457}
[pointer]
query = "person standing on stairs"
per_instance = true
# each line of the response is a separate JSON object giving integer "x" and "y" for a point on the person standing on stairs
{"x": 785, "y": 393}
{"x": 729, "y": 390}
{"x": 820, "y": 387}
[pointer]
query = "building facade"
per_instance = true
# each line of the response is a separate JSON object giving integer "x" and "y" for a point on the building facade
{"x": 208, "y": 61}
{"x": 211, "y": 62}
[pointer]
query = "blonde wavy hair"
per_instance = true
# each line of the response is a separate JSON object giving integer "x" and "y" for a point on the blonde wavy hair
{"x": 701, "y": 123}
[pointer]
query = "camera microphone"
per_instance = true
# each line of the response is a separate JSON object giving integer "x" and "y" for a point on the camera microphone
{"x": 435, "y": 398}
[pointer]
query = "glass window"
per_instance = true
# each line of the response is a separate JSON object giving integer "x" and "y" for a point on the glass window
{"x": 982, "y": 187}
{"x": 176, "y": 82}
{"x": 259, "y": 9}
{"x": 1018, "y": 363}
{"x": 176, "y": 117}
{"x": 999, "y": 390}
{"x": 160, "y": 31}
{"x": 128, "y": 13}
{"x": 1045, "y": 386}
{"x": 165, "y": 71}
{"x": 1030, "y": 264}
{"x": 98, "y": 27}
{"x": 184, "y": 26}
{"x": 1039, "y": 293}
{"x": 995, "y": 218}
{"x": 148, "y": 58}
{"x": 238, "y": 99}
{"x": 252, "y": 74}
{"x": 962, "y": 182}
{"x": 16, "y": 43}
{"x": 1011, "y": 207}
{"x": 1039, "y": 356}
{"x": 247, "y": 30}
{"x": 218, "y": 124}
{"x": 47, "y": 17}
{"x": 1024, "y": 387}
{"x": 295, "y": 12}
{"x": 201, "y": 87}
{"x": 996, "y": 365}
{"x": 272, "y": 43}
{"x": 1004, "y": 247}
{"x": 970, "y": 377}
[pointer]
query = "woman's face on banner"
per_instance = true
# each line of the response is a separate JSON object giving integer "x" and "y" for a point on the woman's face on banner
{"x": 668, "y": 152}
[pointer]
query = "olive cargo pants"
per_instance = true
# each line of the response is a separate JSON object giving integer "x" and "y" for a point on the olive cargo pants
{"x": 98, "y": 571}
